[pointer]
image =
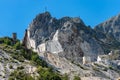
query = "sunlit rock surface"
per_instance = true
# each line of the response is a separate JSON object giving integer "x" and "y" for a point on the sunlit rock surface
{"x": 64, "y": 42}
{"x": 67, "y": 38}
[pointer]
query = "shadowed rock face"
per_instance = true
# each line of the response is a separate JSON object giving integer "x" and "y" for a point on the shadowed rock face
{"x": 110, "y": 27}
{"x": 67, "y": 38}
{"x": 109, "y": 32}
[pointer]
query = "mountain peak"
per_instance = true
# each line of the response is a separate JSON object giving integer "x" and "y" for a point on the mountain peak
{"x": 110, "y": 27}
{"x": 45, "y": 14}
{"x": 73, "y": 19}
{"x": 43, "y": 17}
{"x": 66, "y": 36}
{"x": 65, "y": 42}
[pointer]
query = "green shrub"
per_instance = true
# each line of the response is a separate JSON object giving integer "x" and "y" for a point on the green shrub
{"x": 20, "y": 67}
{"x": 11, "y": 67}
{"x": 20, "y": 75}
{"x": 110, "y": 67}
{"x": 6, "y": 40}
{"x": 11, "y": 78}
{"x": 48, "y": 74}
{"x": 55, "y": 77}
{"x": 17, "y": 45}
{"x": 76, "y": 78}
{"x": 35, "y": 58}
{"x": 65, "y": 77}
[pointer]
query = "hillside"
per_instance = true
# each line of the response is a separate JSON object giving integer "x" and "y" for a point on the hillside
{"x": 18, "y": 63}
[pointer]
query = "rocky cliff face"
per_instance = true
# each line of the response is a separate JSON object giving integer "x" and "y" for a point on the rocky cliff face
{"x": 109, "y": 32}
{"x": 110, "y": 27}
{"x": 63, "y": 43}
{"x": 67, "y": 38}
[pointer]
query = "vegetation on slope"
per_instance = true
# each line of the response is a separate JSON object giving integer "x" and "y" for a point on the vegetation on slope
{"x": 18, "y": 52}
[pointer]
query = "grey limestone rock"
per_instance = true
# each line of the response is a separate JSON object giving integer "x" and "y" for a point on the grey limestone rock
{"x": 69, "y": 37}
{"x": 108, "y": 33}
{"x": 63, "y": 43}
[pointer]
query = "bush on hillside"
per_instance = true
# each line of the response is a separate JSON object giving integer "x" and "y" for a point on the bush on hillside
{"x": 76, "y": 78}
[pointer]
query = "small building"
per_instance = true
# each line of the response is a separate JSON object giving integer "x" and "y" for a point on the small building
{"x": 14, "y": 36}
{"x": 86, "y": 59}
{"x": 104, "y": 59}
{"x": 111, "y": 53}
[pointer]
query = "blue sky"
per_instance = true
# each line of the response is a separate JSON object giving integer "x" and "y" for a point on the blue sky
{"x": 16, "y": 15}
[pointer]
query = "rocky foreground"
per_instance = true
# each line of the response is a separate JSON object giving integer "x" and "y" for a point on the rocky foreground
{"x": 8, "y": 65}
{"x": 19, "y": 63}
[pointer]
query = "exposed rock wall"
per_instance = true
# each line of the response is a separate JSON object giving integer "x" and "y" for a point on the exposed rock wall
{"x": 68, "y": 38}
{"x": 50, "y": 46}
{"x": 108, "y": 33}
{"x": 110, "y": 27}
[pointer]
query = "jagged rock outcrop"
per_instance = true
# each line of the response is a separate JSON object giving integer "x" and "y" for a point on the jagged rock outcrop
{"x": 110, "y": 27}
{"x": 63, "y": 43}
{"x": 109, "y": 33}
{"x": 67, "y": 38}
